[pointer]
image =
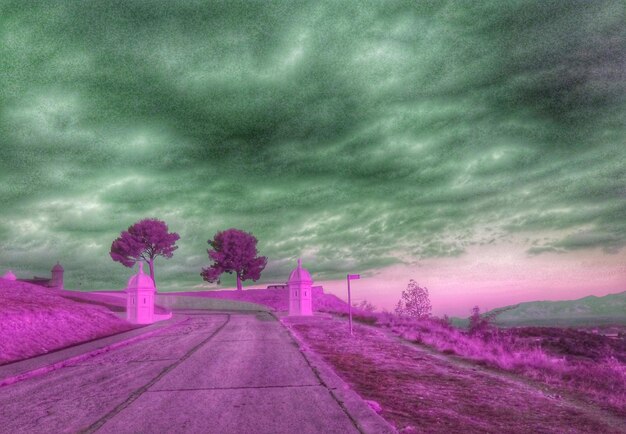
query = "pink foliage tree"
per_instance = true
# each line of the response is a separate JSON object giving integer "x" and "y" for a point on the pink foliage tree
{"x": 234, "y": 251}
{"x": 144, "y": 241}
{"x": 415, "y": 301}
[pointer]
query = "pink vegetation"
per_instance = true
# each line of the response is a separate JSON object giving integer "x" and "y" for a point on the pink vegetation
{"x": 591, "y": 366}
{"x": 277, "y": 299}
{"x": 36, "y": 320}
{"x": 144, "y": 241}
{"x": 421, "y": 390}
{"x": 234, "y": 251}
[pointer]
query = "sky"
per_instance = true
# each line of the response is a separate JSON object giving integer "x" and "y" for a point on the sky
{"x": 476, "y": 147}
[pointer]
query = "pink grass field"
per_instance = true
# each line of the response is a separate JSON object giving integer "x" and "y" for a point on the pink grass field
{"x": 421, "y": 390}
{"x": 590, "y": 366}
{"x": 35, "y": 320}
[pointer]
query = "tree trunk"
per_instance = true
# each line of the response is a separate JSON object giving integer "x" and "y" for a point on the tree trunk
{"x": 239, "y": 286}
{"x": 151, "y": 264}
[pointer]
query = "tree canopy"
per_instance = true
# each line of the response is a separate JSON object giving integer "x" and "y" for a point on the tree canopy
{"x": 234, "y": 251}
{"x": 415, "y": 301}
{"x": 144, "y": 241}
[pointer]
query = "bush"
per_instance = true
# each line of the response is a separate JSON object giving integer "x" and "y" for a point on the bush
{"x": 415, "y": 301}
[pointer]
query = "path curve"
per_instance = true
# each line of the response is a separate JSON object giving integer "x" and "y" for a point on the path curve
{"x": 213, "y": 372}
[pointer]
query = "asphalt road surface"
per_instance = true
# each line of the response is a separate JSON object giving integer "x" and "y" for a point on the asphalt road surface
{"x": 230, "y": 372}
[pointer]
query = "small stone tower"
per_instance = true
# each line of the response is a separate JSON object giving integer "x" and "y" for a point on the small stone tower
{"x": 57, "y": 277}
{"x": 140, "y": 298}
{"x": 299, "y": 284}
{"x": 9, "y": 275}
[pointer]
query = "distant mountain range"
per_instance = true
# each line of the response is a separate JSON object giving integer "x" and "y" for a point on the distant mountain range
{"x": 587, "y": 311}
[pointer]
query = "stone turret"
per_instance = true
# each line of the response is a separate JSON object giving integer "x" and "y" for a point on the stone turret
{"x": 9, "y": 275}
{"x": 140, "y": 293}
{"x": 57, "y": 277}
{"x": 300, "y": 292}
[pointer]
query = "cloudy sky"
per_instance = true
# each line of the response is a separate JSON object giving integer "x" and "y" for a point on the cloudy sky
{"x": 477, "y": 147}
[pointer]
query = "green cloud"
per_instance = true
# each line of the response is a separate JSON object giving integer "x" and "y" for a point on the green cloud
{"x": 353, "y": 135}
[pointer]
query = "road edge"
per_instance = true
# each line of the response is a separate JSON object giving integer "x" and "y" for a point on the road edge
{"x": 38, "y": 365}
{"x": 365, "y": 418}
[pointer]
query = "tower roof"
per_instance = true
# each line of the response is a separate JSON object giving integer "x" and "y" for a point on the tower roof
{"x": 57, "y": 267}
{"x": 9, "y": 275}
{"x": 300, "y": 274}
{"x": 140, "y": 280}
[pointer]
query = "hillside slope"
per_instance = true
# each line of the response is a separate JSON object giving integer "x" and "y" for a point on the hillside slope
{"x": 276, "y": 299}
{"x": 36, "y": 320}
{"x": 591, "y": 310}
{"x": 422, "y": 389}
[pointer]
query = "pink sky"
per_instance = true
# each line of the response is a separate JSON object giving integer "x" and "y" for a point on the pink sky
{"x": 492, "y": 276}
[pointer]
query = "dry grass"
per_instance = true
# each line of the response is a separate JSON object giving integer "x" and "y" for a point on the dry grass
{"x": 422, "y": 391}
{"x": 36, "y": 320}
{"x": 591, "y": 366}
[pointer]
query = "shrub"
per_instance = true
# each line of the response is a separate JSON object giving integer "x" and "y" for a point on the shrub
{"x": 415, "y": 301}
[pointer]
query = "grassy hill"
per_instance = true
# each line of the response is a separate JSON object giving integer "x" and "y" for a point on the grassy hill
{"x": 586, "y": 311}
{"x": 36, "y": 320}
{"x": 275, "y": 299}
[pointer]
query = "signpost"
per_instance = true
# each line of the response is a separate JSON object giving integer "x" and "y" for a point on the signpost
{"x": 351, "y": 277}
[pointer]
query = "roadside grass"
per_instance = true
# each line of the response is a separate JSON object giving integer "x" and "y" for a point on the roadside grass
{"x": 36, "y": 320}
{"x": 593, "y": 367}
{"x": 424, "y": 391}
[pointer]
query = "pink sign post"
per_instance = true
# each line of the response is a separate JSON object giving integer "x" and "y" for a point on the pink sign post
{"x": 351, "y": 277}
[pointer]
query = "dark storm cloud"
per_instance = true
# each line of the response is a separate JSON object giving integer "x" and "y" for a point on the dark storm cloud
{"x": 354, "y": 134}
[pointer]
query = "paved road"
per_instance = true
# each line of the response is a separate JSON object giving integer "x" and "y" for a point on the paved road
{"x": 212, "y": 373}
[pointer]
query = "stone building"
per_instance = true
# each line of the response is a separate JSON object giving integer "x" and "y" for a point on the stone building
{"x": 9, "y": 275}
{"x": 57, "y": 276}
{"x": 55, "y": 281}
{"x": 300, "y": 291}
{"x": 140, "y": 293}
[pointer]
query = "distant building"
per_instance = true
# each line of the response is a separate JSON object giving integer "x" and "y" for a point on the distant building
{"x": 300, "y": 291}
{"x": 57, "y": 276}
{"x": 9, "y": 275}
{"x": 140, "y": 293}
{"x": 55, "y": 281}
